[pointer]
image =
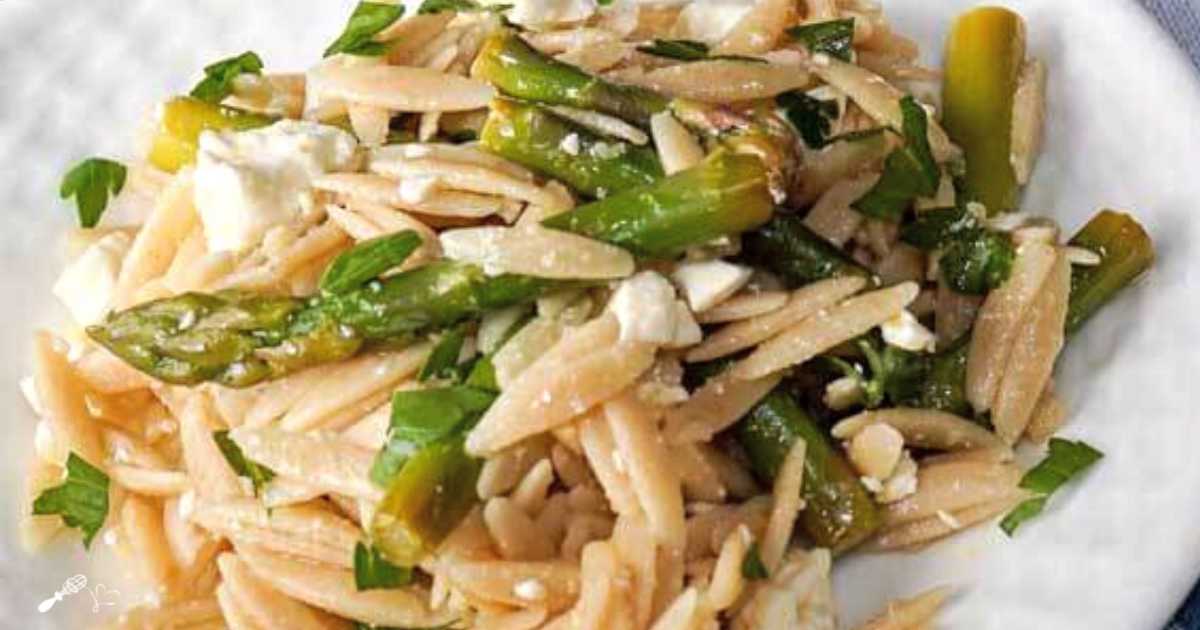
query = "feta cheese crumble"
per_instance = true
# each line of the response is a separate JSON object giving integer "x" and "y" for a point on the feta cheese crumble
{"x": 86, "y": 286}
{"x": 649, "y": 312}
{"x": 905, "y": 332}
{"x": 708, "y": 283}
{"x": 246, "y": 182}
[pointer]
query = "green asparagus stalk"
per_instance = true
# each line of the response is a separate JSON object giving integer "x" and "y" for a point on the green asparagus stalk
{"x": 1126, "y": 252}
{"x": 592, "y": 164}
{"x": 984, "y": 55}
{"x": 840, "y": 513}
{"x": 181, "y": 121}
{"x": 790, "y": 250}
{"x": 517, "y": 69}
{"x": 238, "y": 340}
{"x": 428, "y": 497}
{"x": 726, "y": 194}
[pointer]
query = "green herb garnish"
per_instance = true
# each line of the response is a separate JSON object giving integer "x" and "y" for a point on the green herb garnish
{"x": 91, "y": 182}
{"x": 443, "y": 359}
{"x": 833, "y": 38}
{"x": 812, "y": 118}
{"x": 422, "y": 417}
{"x": 258, "y": 474}
{"x": 368, "y": 20}
{"x": 752, "y": 566}
{"x": 373, "y": 572}
{"x": 219, "y": 76}
{"x": 909, "y": 171}
{"x": 81, "y": 499}
{"x": 1065, "y": 461}
{"x": 688, "y": 50}
{"x": 368, "y": 260}
{"x": 459, "y": 6}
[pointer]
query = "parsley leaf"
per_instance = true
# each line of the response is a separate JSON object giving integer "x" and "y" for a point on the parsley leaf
{"x": 258, "y": 474}
{"x": 459, "y": 6}
{"x": 81, "y": 500}
{"x": 909, "y": 171}
{"x": 812, "y": 118}
{"x": 1065, "y": 461}
{"x": 688, "y": 50}
{"x": 444, "y": 358}
{"x": 368, "y": 20}
{"x": 834, "y": 38}
{"x": 752, "y": 566}
{"x": 91, "y": 182}
{"x": 219, "y": 76}
{"x": 367, "y": 260}
{"x": 422, "y": 417}
{"x": 372, "y": 571}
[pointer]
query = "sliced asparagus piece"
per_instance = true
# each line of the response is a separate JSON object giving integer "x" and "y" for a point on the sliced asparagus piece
{"x": 181, "y": 121}
{"x": 590, "y": 163}
{"x": 239, "y": 340}
{"x": 724, "y": 195}
{"x": 984, "y": 55}
{"x": 790, "y": 250}
{"x": 840, "y": 513}
{"x": 517, "y": 69}
{"x": 1126, "y": 252}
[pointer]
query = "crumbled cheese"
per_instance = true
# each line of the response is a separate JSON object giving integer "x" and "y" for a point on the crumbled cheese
{"x": 873, "y": 485}
{"x": 86, "y": 286}
{"x": 706, "y": 284}
{"x": 479, "y": 245}
{"x": 570, "y": 144}
{"x": 710, "y": 21}
{"x": 247, "y": 182}
{"x": 905, "y": 332}
{"x": 109, "y": 537}
{"x": 902, "y": 483}
{"x": 531, "y": 590}
{"x": 820, "y": 59}
{"x": 544, "y": 12}
{"x": 843, "y": 393}
{"x": 648, "y": 311}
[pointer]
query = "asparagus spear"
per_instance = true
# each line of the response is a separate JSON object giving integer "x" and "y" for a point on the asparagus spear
{"x": 797, "y": 255}
{"x": 238, "y": 340}
{"x": 180, "y": 122}
{"x": 1126, "y": 253}
{"x": 725, "y": 194}
{"x": 840, "y": 512}
{"x": 517, "y": 69}
{"x": 592, "y": 164}
{"x": 428, "y": 497}
{"x": 984, "y": 54}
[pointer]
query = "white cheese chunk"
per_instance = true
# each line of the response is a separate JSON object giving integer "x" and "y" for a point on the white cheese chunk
{"x": 247, "y": 182}
{"x": 905, "y": 332}
{"x": 708, "y": 283}
{"x": 712, "y": 20}
{"x": 86, "y": 286}
{"x": 546, "y": 12}
{"x": 649, "y": 312}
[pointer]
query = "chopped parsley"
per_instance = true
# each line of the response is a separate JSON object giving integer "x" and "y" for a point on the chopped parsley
{"x": 1065, "y": 461}
{"x": 81, "y": 499}
{"x": 92, "y": 182}
{"x": 368, "y": 20}
{"x": 219, "y": 76}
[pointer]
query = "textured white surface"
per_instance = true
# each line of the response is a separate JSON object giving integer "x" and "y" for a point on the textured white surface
{"x": 1116, "y": 553}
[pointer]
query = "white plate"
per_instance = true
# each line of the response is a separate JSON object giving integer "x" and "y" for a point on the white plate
{"x": 1119, "y": 552}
